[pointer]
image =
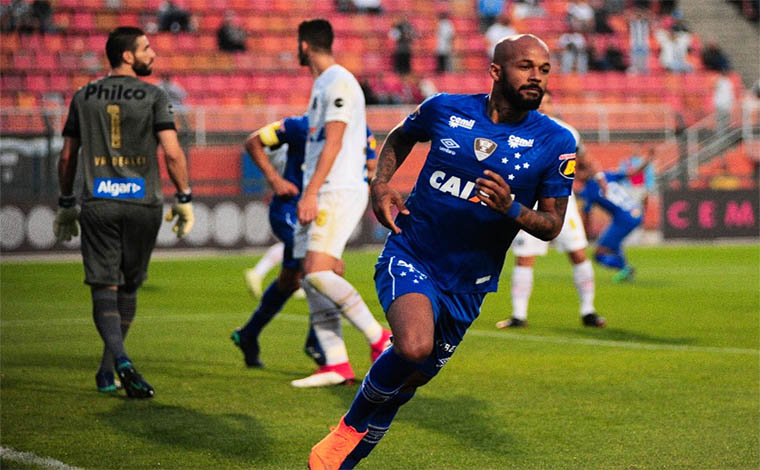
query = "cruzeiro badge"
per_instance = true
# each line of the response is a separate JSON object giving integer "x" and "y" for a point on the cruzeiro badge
{"x": 484, "y": 148}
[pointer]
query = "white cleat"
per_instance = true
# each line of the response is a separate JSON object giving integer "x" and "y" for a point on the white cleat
{"x": 255, "y": 283}
{"x": 327, "y": 376}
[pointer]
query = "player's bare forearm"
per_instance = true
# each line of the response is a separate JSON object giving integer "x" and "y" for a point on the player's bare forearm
{"x": 67, "y": 165}
{"x": 176, "y": 163}
{"x": 544, "y": 223}
{"x": 393, "y": 153}
{"x": 255, "y": 149}
{"x": 395, "y": 150}
{"x": 334, "y": 131}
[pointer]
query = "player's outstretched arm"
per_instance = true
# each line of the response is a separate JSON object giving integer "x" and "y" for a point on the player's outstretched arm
{"x": 255, "y": 147}
{"x": 395, "y": 150}
{"x": 544, "y": 223}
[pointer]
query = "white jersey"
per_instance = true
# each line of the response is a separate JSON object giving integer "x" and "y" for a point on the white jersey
{"x": 337, "y": 96}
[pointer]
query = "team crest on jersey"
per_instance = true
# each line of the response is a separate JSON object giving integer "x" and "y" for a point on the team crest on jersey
{"x": 567, "y": 167}
{"x": 484, "y": 148}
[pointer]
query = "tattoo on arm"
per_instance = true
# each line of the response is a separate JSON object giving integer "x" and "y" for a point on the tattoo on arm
{"x": 546, "y": 222}
{"x": 395, "y": 150}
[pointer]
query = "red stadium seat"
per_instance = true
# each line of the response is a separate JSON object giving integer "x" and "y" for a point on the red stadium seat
{"x": 37, "y": 83}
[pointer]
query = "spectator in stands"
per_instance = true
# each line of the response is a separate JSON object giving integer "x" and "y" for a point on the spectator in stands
{"x": 230, "y": 35}
{"x": 713, "y": 57}
{"x": 172, "y": 18}
{"x": 488, "y": 11}
{"x": 612, "y": 58}
{"x": 444, "y": 40}
{"x": 17, "y": 16}
{"x": 574, "y": 55}
{"x": 372, "y": 7}
{"x": 723, "y": 100}
{"x": 527, "y": 9}
{"x": 667, "y": 7}
{"x": 580, "y": 16}
{"x": 42, "y": 16}
{"x": 674, "y": 48}
{"x": 639, "y": 20}
{"x": 497, "y": 31}
{"x": 403, "y": 33}
{"x": 601, "y": 17}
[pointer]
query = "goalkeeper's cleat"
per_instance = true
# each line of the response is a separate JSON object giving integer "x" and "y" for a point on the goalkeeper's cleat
{"x": 132, "y": 381}
{"x": 592, "y": 319}
{"x": 381, "y": 345}
{"x": 255, "y": 283}
{"x": 250, "y": 348}
{"x": 106, "y": 382}
{"x": 299, "y": 294}
{"x": 625, "y": 274}
{"x": 511, "y": 322}
{"x": 326, "y": 376}
{"x": 330, "y": 452}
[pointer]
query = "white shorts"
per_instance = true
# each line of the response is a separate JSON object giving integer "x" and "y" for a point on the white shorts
{"x": 572, "y": 237}
{"x": 338, "y": 214}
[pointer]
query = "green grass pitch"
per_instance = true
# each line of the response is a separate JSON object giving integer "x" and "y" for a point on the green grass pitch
{"x": 672, "y": 382}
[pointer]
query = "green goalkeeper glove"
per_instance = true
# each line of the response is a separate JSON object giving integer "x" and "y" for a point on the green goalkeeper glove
{"x": 65, "y": 225}
{"x": 182, "y": 209}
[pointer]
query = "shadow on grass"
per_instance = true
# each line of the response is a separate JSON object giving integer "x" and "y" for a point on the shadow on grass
{"x": 232, "y": 435}
{"x": 619, "y": 334}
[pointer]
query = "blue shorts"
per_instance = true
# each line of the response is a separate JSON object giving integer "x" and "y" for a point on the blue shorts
{"x": 620, "y": 227}
{"x": 398, "y": 274}
{"x": 283, "y": 220}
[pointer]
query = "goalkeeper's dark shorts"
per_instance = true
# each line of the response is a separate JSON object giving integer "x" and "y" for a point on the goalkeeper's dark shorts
{"x": 117, "y": 241}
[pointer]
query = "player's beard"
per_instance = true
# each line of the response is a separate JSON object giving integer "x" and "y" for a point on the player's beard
{"x": 517, "y": 100}
{"x": 142, "y": 69}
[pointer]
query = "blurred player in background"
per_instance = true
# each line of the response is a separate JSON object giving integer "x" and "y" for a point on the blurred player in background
{"x": 278, "y": 150}
{"x": 625, "y": 211}
{"x": 332, "y": 203}
{"x": 571, "y": 240}
{"x": 450, "y": 238}
{"x": 118, "y": 122}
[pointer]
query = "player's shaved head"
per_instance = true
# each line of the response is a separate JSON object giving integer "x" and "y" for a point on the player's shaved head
{"x": 515, "y": 46}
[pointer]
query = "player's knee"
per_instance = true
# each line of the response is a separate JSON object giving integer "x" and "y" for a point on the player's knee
{"x": 413, "y": 350}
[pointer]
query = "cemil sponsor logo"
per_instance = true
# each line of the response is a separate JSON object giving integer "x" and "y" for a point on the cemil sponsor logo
{"x": 456, "y": 121}
{"x": 120, "y": 188}
{"x": 515, "y": 142}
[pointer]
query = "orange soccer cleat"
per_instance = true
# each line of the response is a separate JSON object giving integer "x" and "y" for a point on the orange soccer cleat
{"x": 330, "y": 452}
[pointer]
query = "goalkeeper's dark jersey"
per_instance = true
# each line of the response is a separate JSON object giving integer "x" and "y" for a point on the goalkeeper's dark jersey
{"x": 117, "y": 119}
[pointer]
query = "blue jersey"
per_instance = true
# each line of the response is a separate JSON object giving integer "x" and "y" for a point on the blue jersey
{"x": 458, "y": 239}
{"x": 616, "y": 201}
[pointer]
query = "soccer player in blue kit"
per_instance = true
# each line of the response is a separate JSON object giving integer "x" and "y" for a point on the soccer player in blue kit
{"x": 626, "y": 213}
{"x": 291, "y": 132}
{"x": 491, "y": 158}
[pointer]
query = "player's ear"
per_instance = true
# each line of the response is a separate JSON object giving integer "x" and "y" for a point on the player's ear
{"x": 495, "y": 71}
{"x": 128, "y": 57}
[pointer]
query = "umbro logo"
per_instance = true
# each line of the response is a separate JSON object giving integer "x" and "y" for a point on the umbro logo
{"x": 456, "y": 121}
{"x": 448, "y": 146}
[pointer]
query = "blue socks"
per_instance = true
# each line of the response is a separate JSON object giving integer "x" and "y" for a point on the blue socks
{"x": 381, "y": 384}
{"x": 611, "y": 260}
{"x": 271, "y": 303}
{"x": 378, "y": 426}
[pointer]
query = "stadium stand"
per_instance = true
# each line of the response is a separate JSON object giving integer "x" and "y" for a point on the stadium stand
{"x": 38, "y": 69}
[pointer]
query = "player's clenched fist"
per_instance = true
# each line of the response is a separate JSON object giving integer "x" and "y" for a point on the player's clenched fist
{"x": 383, "y": 197}
{"x": 494, "y": 192}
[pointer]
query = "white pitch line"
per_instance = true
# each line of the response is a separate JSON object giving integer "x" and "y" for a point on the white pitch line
{"x": 471, "y": 332}
{"x": 29, "y": 458}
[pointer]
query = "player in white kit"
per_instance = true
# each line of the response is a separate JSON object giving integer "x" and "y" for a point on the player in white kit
{"x": 571, "y": 240}
{"x": 332, "y": 203}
